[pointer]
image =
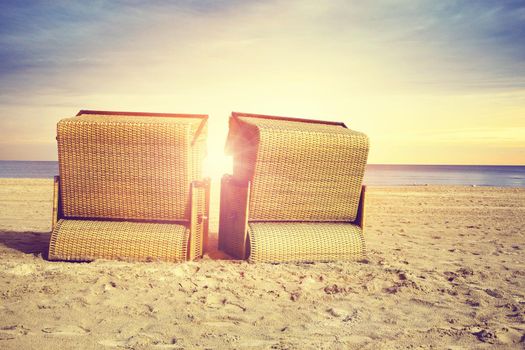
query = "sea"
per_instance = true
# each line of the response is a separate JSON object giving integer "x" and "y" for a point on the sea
{"x": 375, "y": 175}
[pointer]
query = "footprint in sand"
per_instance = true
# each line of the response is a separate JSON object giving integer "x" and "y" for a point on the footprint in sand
{"x": 113, "y": 343}
{"x": 11, "y": 332}
{"x": 68, "y": 330}
{"x": 142, "y": 341}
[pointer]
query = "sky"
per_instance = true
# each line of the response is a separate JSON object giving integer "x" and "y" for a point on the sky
{"x": 430, "y": 82}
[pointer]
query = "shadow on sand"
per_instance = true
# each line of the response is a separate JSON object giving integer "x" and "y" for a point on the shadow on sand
{"x": 36, "y": 243}
{"x": 212, "y": 250}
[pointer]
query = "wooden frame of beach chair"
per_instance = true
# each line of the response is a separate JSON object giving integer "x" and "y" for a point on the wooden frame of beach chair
{"x": 135, "y": 238}
{"x": 235, "y": 220}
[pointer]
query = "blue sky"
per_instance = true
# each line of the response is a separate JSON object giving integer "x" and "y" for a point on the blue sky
{"x": 451, "y": 74}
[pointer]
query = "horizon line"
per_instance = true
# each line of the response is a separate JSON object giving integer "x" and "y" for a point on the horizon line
{"x": 403, "y": 164}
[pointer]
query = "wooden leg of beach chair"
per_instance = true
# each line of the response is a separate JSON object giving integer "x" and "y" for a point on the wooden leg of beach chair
{"x": 56, "y": 202}
{"x": 198, "y": 218}
{"x": 224, "y": 214}
{"x": 206, "y": 217}
{"x": 233, "y": 225}
{"x": 243, "y": 224}
{"x": 360, "y": 219}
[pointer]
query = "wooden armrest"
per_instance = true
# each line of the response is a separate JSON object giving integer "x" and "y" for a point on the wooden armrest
{"x": 360, "y": 218}
{"x": 57, "y": 205}
{"x": 199, "y": 217}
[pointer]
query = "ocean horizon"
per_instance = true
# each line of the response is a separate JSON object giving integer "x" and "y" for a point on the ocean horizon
{"x": 375, "y": 175}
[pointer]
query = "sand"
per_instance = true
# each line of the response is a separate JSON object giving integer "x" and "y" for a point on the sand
{"x": 445, "y": 270}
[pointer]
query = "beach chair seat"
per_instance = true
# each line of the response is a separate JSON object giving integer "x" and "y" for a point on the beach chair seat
{"x": 85, "y": 240}
{"x": 130, "y": 187}
{"x": 296, "y": 190}
{"x": 304, "y": 241}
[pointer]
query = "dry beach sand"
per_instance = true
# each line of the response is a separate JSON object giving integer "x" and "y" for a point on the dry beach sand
{"x": 445, "y": 270}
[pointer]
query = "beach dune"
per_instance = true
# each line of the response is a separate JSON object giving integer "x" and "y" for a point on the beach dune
{"x": 445, "y": 269}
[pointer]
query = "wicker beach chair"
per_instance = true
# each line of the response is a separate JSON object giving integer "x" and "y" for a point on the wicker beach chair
{"x": 130, "y": 187}
{"x": 296, "y": 191}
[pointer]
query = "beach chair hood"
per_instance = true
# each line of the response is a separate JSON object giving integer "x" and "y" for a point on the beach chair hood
{"x": 300, "y": 170}
{"x": 119, "y": 165}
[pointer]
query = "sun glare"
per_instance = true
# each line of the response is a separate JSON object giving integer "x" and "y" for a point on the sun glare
{"x": 217, "y": 163}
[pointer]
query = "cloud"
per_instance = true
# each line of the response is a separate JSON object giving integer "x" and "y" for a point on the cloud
{"x": 372, "y": 62}
{"x": 409, "y": 45}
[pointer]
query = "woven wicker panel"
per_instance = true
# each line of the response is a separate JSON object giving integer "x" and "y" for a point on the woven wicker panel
{"x": 84, "y": 240}
{"x": 124, "y": 167}
{"x": 300, "y": 171}
{"x": 304, "y": 242}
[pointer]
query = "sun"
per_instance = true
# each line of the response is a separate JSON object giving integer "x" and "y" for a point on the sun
{"x": 217, "y": 163}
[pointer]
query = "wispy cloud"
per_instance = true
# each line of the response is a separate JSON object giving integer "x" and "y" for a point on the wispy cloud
{"x": 299, "y": 57}
{"x": 416, "y": 44}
